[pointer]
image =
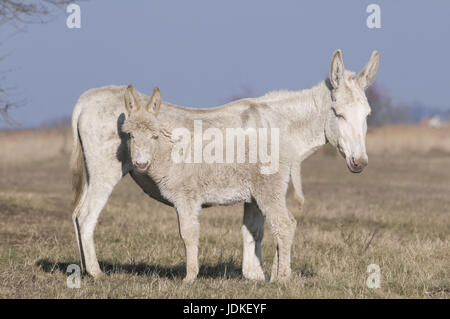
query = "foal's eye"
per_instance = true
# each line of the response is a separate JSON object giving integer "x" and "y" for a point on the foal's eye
{"x": 155, "y": 136}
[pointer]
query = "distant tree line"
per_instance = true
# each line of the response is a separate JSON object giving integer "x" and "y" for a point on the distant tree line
{"x": 385, "y": 111}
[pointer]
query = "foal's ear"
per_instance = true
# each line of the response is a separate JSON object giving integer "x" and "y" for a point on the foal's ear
{"x": 155, "y": 101}
{"x": 336, "y": 69}
{"x": 131, "y": 103}
{"x": 367, "y": 75}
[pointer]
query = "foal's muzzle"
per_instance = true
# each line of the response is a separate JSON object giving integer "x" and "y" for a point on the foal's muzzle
{"x": 356, "y": 165}
{"x": 141, "y": 167}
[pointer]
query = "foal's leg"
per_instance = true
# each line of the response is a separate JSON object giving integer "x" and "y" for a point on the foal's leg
{"x": 190, "y": 232}
{"x": 283, "y": 226}
{"x": 252, "y": 235}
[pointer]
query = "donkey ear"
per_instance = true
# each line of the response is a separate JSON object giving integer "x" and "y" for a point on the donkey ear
{"x": 130, "y": 100}
{"x": 155, "y": 101}
{"x": 336, "y": 69}
{"x": 367, "y": 75}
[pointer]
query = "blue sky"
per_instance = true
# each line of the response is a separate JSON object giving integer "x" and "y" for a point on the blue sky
{"x": 202, "y": 52}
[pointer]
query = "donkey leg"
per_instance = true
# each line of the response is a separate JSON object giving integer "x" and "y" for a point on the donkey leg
{"x": 276, "y": 274}
{"x": 297, "y": 184}
{"x": 283, "y": 226}
{"x": 85, "y": 220}
{"x": 252, "y": 235}
{"x": 189, "y": 227}
{"x": 75, "y": 215}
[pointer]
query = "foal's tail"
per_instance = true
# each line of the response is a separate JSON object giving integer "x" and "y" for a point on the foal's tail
{"x": 77, "y": 160}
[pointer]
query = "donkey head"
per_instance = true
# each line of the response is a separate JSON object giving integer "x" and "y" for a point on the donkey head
{"x": 346, "y": 124}
{"x": 142, "y": 127}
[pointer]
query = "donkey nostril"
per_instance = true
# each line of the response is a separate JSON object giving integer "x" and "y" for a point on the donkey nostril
{"x": 357, "y": 163}
{"x": 142, "y": 165}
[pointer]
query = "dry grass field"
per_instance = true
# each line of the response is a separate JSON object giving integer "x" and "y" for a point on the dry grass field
{"x": 396, "y": 214}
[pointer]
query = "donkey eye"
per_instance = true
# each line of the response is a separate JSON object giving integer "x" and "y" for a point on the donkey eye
{"x": 155, "y": 136}
{"x": 338, "y": 115}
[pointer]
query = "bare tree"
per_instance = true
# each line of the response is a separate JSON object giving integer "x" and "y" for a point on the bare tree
{"x": 19, "y": 12}
{"x": 16, "y": 14}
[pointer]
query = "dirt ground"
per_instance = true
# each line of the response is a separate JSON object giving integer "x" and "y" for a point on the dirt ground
{"x": 396, "y": 214}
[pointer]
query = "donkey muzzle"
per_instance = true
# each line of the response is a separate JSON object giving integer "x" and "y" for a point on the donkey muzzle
{"x": 141, "y": 166}
{"x": 356, "y": 165}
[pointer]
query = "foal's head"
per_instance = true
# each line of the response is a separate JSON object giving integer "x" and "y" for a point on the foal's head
{"x": 347, "y": 119}
{"x": 143, "y": 128}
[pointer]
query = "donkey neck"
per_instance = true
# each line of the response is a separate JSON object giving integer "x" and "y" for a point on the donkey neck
{"x": 306, "y": 113}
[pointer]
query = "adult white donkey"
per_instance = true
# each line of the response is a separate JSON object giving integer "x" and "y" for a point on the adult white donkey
{"x": 114, "y": 137}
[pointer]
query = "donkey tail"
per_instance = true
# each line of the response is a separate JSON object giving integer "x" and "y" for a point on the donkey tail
{"x": 77, "y": 161}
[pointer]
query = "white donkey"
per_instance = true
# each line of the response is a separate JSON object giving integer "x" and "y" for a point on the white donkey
{"x": 113, "y": 137}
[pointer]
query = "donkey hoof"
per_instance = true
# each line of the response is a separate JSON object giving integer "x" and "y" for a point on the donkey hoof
{"x": 280, "y": 278}
{"x": 96, "y": 274}
{"x": 99, "y": 275}
{"x": 255, "y": 275}
{"x": 189, "y": 279}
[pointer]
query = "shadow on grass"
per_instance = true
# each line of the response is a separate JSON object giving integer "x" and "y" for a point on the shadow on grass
{"x": 226, "y": 269}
